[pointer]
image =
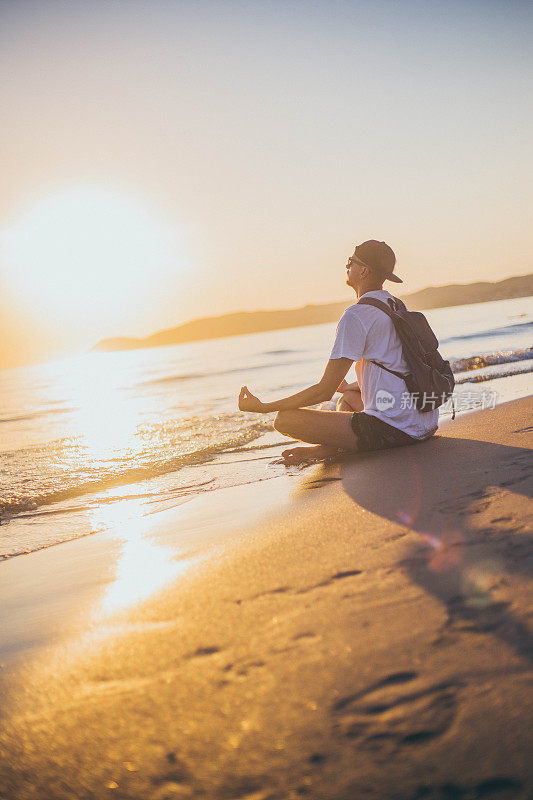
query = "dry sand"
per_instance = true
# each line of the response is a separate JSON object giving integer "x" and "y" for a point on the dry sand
{"x": 371, "y": 641}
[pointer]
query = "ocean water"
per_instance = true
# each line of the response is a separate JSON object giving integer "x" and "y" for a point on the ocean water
{"x": 83, "y": 434}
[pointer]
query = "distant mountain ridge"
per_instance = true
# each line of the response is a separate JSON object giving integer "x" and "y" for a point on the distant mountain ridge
{"x": 243, "y": 322}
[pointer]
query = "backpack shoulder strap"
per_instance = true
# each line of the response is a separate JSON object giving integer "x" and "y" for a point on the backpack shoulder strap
{"x": 389, "y": 309}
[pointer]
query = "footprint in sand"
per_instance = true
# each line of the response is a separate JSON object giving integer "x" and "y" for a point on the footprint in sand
{"x": 499, "y": 788}
{"x": 396, "y": 711}
{"x": 174, "y": 782}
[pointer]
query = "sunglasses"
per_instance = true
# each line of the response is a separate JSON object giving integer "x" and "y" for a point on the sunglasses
{"x": 352, "y": 261}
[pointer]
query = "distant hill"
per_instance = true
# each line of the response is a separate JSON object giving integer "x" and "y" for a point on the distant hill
{"x": 455, "y": 294}
{"x": 461, "y": 294}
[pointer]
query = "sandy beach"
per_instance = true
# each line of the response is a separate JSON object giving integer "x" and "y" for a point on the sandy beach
{"x": 358, "y": 630}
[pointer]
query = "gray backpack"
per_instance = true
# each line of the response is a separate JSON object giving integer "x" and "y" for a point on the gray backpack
{"x": 429, "y": 379}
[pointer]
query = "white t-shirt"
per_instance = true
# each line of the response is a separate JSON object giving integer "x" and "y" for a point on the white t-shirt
{"x": 363, "y": 333}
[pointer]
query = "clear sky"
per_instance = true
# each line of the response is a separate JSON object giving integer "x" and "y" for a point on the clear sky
{"x": 167, "y": 160}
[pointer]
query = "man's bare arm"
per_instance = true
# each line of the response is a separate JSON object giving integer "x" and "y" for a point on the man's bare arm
{"x": 324, "y": 390}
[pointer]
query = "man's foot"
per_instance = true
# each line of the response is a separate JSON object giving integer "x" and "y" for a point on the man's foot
{"x": 317, "y": 452}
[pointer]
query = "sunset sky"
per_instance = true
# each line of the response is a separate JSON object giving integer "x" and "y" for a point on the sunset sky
{"x": 162, "y": 161}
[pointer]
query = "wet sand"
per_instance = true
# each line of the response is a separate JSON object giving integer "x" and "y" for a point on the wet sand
{"x": 369, "y": 639}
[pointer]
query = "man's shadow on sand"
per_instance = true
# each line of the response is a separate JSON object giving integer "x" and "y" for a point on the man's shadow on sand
{"x": 433, "y": 488}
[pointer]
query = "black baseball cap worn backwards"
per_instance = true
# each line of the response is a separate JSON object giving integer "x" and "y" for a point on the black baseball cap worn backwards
{"x": 379, "y": 257}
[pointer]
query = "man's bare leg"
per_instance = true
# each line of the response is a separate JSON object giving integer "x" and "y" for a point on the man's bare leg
{"x": 349, "y": 402}
{"x": 316, "y": 452}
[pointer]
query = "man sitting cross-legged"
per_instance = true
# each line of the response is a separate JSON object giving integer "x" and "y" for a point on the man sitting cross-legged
{"x": 377, "y": 418}
{"x": 351, "y": 401}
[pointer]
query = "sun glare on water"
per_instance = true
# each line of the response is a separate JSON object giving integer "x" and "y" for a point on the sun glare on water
{"x": 85, "y": 254}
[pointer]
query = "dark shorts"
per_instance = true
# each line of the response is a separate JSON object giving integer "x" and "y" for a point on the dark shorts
{"x": 374, "y": 434}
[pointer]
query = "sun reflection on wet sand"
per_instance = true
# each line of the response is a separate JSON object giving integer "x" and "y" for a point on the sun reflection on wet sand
{"x": 144, "y": 566}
